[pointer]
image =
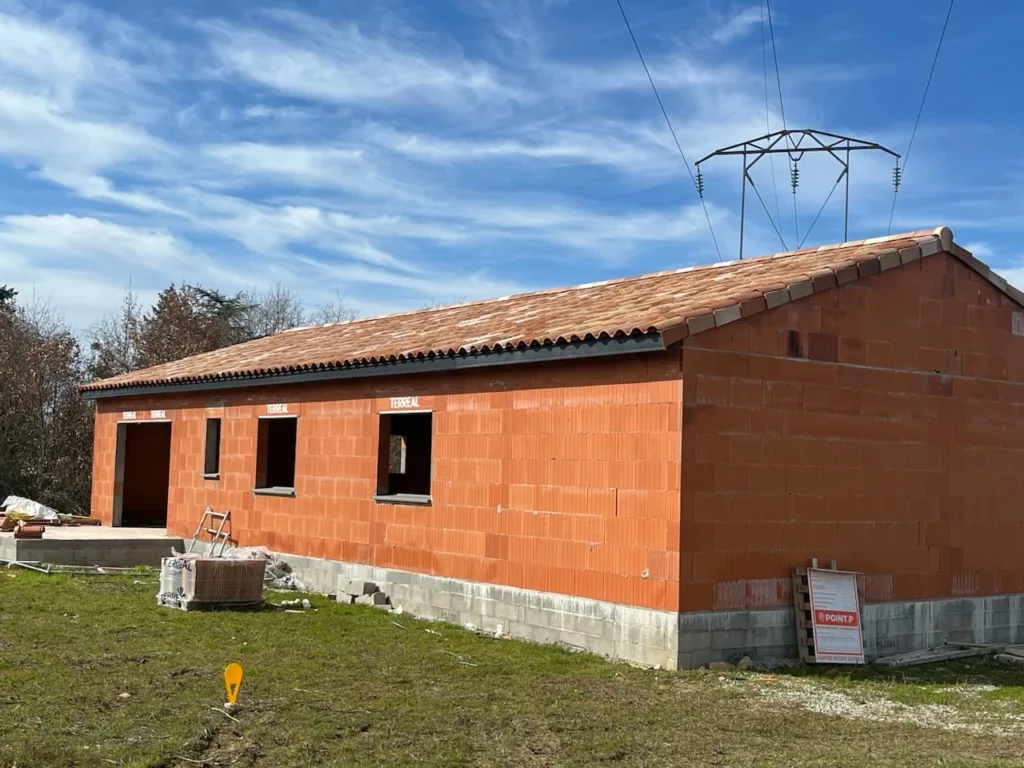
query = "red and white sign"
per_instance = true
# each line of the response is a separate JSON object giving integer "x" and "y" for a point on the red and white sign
{"x": 835, "y": 613}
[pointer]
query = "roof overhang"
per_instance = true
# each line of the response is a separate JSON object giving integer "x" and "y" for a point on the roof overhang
{"x": 593, "y": 348}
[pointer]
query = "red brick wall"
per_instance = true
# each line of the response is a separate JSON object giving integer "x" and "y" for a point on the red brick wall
{"x": 864, "y": 454}
{"x": 557, "y": 477}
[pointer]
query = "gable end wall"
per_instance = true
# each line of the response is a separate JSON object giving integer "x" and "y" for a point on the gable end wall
{"x": 879, "y": 424}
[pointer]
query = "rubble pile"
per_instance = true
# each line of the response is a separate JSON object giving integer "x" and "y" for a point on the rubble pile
{"x": 27, "y": 519}
{"x": 359, "y": 592}
{"x": 278, "y": 574}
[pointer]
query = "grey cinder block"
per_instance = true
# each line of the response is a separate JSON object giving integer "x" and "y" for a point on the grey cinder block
{"x": 359, "y": 588}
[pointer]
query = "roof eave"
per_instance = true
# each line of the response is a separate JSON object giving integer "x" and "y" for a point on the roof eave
{"x": 592, "y": 348}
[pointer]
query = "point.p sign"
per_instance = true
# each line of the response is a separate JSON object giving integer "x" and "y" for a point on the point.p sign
{"x": 835, "y": 613}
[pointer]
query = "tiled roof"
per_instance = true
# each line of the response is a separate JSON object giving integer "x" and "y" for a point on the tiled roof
{"x": 672, "y": 305}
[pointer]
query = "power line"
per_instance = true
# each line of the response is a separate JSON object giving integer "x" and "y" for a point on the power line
{"x": 782, "y": 240}
{"x": 767, "y": 123}
{"x": 808, "y": 232}
{"x": 920, "y": 110}
{"x": 670, "y": 128}
{"x": 782, "y": 109}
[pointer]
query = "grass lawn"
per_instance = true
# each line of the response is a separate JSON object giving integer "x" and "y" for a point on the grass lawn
{"x": 346, "y": 685}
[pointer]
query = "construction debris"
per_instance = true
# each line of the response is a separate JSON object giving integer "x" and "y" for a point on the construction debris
{"x": 74, "y": 570}
{"x": 378, "y": 599}
{"x": 79, "y": 520}
{"x": 27, "y": 565}
{"x": 304, "y": 604}
{"x": 949, "y": 651}
{"x": 28, "y": 531}
{"x": 17, "y": 510}
{"x": 357, "y": 588}
{"x": 359, "y": 592}
{"x": 278, "y": 574}
{"x": 20, "y": 508}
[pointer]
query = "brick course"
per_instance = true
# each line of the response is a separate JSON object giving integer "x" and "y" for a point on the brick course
{"x": 880, "y": 424}
{"x": 556, "y": 477}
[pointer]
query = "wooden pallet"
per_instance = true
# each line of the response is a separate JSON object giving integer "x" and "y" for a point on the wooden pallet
{"x": 804, "y": 623}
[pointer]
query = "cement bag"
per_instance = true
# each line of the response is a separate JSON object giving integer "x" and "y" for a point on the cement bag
{"x": 27, "y": 509}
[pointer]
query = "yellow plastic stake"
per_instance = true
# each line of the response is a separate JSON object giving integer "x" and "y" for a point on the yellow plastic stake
{"x": 233, "y": 681}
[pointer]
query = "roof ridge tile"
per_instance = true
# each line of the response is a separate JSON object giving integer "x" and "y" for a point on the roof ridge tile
{"x": 673, "y": 303}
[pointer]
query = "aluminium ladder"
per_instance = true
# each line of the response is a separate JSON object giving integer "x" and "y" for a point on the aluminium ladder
{"x": 219, "y": 536}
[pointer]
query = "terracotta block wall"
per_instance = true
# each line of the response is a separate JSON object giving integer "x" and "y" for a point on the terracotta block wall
{"x": 880, "y": 424}
{"x": 556, "y": 477}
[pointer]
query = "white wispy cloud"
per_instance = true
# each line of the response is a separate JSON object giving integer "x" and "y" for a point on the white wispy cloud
{"x": 52, "y": 60}
{"x": 57, "y": 96}
{"x": 398, "y": 165}
{"x": 632, "y": 148}
{"x": 309, "y": 58}
{"x": 71, "y": 150}
{"x": 737, "y": 25}
{"x": 306, "y": 166}
{"x": 93, "y": 241}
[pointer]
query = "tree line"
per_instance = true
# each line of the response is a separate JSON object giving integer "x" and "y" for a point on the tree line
{"x": 46, "y": 427}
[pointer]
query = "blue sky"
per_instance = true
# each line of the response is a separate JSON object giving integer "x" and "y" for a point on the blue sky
{"x": 407, "y": 153}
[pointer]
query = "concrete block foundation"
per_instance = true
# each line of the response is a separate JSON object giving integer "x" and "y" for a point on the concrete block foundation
{"x": 621, "y": 632}
{"x": 889, "y": 628}
{"x": 660, "y": 638}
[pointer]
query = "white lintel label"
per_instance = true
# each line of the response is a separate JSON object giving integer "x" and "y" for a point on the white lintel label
{"x": 158, "y": 414}
{"x": 129, "y": 415}
{"x": 405, "y": 402}
{"x": 277, "y": 408}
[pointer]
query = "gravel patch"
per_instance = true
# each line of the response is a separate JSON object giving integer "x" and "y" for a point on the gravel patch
{"x": 995, "y": 719}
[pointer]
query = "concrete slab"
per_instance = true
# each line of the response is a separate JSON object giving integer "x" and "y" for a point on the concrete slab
{"x": 93, "y": 545}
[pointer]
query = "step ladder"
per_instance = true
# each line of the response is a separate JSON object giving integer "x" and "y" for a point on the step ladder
{"x": 218, "y": 535}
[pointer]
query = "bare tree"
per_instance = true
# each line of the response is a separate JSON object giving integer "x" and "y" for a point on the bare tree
{"x": 115, "y": 339}
{"x": 272, "y": 311}
{"x": 435, "y": 303}
{"x": 336, "y": 311}
{"x": 45, "y": 426}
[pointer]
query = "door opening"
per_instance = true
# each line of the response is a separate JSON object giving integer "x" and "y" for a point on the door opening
{"x": 142, "y": 474}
